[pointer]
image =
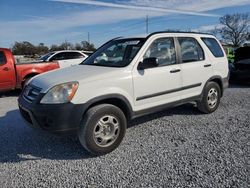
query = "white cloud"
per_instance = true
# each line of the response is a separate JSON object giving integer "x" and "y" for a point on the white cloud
{"x": 207, "y": 28}
{"x": 144, "y": 6}
{"x": 55, "y": 28}
{"x": 40, "y": 28}
{"x": 190, "y": 5}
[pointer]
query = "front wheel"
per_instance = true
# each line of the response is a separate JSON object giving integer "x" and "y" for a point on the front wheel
{"x": 102, "y": 129}
{"x": 210, "y": 98}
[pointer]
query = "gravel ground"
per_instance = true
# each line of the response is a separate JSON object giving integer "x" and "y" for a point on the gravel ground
{"x": 176, "y": 148}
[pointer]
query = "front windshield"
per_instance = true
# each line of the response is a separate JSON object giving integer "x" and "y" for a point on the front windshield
{"x": 116, "y": 53}
{"x": 46, "y": 56}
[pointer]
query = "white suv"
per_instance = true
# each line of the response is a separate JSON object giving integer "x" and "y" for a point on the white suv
{"x": 65, "y": 58}
{"x": 124, "y": 79}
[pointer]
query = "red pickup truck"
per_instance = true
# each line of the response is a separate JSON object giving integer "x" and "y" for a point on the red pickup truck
{"x": 14, "y": 76}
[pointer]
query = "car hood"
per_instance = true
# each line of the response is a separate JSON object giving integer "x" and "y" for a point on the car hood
{"x": 80, "y": 73}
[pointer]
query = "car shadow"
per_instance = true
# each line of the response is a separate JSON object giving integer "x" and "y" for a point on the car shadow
{"x": 19, "y": 142}
{"x": 12, "y": 93}
{"x": 185, "y": 109}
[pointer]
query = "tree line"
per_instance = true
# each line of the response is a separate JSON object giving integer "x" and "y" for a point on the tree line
{"x": 27, "y": 48}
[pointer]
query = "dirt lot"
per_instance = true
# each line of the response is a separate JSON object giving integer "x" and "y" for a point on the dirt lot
{"x": 179, "y": 147}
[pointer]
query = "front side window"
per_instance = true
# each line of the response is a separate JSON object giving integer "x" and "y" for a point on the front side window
{"x": 164, "y": 50}
{"x": 46, "y": 56}
{"x": 116, "y": 53}
{"x": 191, "y": 51}
{"x": 213, "y": 46}
{"x": 2, "y": 58}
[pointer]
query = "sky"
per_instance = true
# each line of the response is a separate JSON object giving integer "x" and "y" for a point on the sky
{"x": 56, "y": 21}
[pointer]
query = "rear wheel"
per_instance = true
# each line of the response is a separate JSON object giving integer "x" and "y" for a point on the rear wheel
{"x": 102, "y": 129}
{"x": 210, "y": 98}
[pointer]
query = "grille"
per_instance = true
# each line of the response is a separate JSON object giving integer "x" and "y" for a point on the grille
{"x": 31, "y": 93}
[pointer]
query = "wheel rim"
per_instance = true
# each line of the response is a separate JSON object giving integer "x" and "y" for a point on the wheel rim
{"x": 212, "y": 98}
{"x": 106, "y": 131}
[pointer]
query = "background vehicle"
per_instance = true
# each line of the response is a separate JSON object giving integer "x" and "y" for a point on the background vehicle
{"x": 65, "y": 58}
{"x": 124, "y": 79}
{"x": 88, "y": 53}
{"x": 13, "y": 76}
{"x": 240, "y": 69}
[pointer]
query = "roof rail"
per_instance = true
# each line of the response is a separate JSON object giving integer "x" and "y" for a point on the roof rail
{"x": 190, "y": 32}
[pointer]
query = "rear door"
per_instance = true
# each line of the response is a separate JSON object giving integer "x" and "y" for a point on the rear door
{"x": 195, "y": 66}
{"x": 7, "y": 71}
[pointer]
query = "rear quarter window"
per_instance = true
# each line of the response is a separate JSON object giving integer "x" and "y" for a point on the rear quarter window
{"x": 2, "y": 58}
{"x": 213, "y": 46}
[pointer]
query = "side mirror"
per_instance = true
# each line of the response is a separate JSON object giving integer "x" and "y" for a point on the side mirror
{"x": 147, "y": 63}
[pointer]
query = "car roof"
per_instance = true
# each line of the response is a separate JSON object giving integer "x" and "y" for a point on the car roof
{"x": 67, "y": 51}
{"x": 179, "y": 32}
{"x": 167, "y": 32}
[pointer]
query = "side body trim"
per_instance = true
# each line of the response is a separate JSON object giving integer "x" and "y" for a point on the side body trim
{"x": 167, "y": 92}
{"x": 164, "y": 107}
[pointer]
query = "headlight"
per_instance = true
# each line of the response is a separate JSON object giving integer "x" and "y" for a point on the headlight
{"x": 59, "y": 94}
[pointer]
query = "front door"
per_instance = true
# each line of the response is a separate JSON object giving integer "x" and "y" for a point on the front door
{"x": 7, "y": 72}
{"x": 159, "y": 85}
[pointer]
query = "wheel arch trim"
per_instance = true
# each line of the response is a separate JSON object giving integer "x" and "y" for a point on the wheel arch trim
{"x": 116, "y": 99}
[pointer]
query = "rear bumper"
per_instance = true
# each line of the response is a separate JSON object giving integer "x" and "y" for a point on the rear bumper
{"x": 52, "y": 118}
{"x": 225, "y": 82}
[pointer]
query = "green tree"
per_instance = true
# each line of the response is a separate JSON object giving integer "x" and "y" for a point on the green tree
{"x": 78, "y": 46}
{"x": 23, "y": 48}
{"x": 55, "y": 47}
{"x": 67, "y": 46}
{"x": 87, "y": 46}
{"x": 41, "y": 49}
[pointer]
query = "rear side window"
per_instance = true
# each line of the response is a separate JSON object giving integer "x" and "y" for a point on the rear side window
{"x": 2, "y": 58}
{"x": 75, "y": 55}
{"x": 213, "y": 46}
{"x": 191, "y": 51}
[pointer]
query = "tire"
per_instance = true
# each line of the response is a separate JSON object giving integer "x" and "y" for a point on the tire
{"x": 102, "y": 129}
{"x": 210, "y": 98}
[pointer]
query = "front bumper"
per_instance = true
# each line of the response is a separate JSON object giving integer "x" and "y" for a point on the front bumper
{"x": 52, "y": 117}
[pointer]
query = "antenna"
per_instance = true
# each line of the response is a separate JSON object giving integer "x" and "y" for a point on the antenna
{"x": 88, "y": 38}
{"x": 147, "y": 24}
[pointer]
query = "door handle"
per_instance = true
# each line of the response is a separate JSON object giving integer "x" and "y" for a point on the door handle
{"x": 207, "y": 65}
{"x": 6, "y": 69}
{"x": 175, "y": 70}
